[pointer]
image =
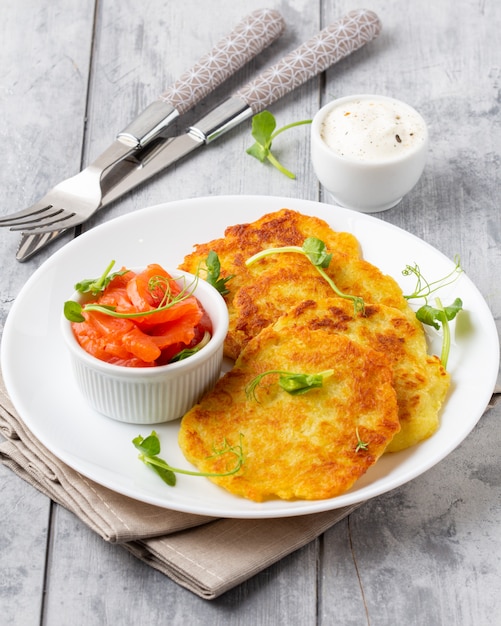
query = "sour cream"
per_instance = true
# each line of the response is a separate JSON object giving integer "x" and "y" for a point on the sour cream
{"x": 368, "y": 151}
{"x": 373, "y": 129}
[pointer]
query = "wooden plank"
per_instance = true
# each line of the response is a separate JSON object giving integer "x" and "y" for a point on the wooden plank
{"x": 102, "y": 583}
{"x": 44, "y": 65}
{"x": 44, "y": 61}
{"x": 24, "y": 520}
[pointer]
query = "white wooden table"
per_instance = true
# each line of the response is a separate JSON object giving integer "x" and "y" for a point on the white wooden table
{"x": 73, "y": 73}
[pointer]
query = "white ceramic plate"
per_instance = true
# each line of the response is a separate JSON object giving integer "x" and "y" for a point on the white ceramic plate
{"x": 36, "y": 370}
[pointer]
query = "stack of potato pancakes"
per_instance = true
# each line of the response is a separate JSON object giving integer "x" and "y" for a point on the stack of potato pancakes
{"x": 384, "y": 391}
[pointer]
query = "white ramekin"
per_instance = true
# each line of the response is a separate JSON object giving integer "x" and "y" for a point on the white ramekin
{"x": 371, "y": 185}
{"x": 151, "y": 395}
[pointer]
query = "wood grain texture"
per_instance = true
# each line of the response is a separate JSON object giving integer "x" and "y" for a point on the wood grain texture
{"x": 72, "y": 74}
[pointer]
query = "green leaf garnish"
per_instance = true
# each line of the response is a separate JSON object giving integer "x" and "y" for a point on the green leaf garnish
{"x": 165, "y": 473}
{"x": 441, "y": 316}
{"x": 213, "y": 267}
{"x": 294, "y": 383}
{"x": 149, "y": 449}
{"x": 263, "y": 125}
{"x": 315, "y": 250}
{"x": 97, "y": 285}
{"x": 149, "y": 446}
{"x": 73, "y": 311}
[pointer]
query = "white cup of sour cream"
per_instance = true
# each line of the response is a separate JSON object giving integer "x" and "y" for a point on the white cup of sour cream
{"x": 368, "y": 151}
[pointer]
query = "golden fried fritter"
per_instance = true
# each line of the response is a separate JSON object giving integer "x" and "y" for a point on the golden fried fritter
{"x": 310, "y": 446}
{"x": 420, "y": 381}
{"x": 263, "y": 291}
{"x": 254, "y": 310}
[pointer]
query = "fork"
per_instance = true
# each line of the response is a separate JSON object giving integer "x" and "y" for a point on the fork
{"x": 70, "y": 202}
{"x": 75, "y": 199}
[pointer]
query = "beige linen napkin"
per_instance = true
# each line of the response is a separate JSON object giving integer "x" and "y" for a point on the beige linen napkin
{"x": 205, "y": 555}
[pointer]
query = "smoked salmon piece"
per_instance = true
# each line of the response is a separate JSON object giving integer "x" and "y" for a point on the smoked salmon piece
{"x": 165, "y": 320}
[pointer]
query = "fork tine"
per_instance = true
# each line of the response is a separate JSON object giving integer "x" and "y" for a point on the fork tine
{"x": 47, "y": 216}
{"x": 53, "y": 225}
{"x": 57, "y": 216}
{"x": 33, "y": 213}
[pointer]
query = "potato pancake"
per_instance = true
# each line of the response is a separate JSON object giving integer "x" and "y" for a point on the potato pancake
{"x": 263, "y": 291}
{"x": 254, "y": 310}
{"x": 310, "y": 446}
{"x": 420, "y": 381}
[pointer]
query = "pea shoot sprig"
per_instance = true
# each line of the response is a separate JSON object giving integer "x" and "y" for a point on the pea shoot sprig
{"x": 439, "y": 315}
{"x": 263, "y": 131}
{"x": 294, "y": 383}
{"x": 361, "y": 445}
{"x": 424, "y": 288}
{"x": 97, "y": 285}
{"x": 212, "y": 266}
{"x": 315, "y": 251}
{"x": 187, "y": 352}
{"x": 73, "y": 311}
{"x": 149, "y": 449}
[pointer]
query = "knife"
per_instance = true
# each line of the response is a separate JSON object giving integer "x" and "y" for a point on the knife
{"x": 335, "y": 42}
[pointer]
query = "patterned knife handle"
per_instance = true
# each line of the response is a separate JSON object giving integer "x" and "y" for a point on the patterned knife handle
{"x": 252, "y": 35}
{"x": 344, "y": 36}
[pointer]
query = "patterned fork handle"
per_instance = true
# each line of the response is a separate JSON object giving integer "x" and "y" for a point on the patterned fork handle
{"x": 252, "y": 35}
{"x": 344, "y": 36}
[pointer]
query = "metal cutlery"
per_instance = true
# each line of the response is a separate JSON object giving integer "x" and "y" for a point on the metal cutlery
{"x": 72, "y": 201}
{"x": 335, "y": 42}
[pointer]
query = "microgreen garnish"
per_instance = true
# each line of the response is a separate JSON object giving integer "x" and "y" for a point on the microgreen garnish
{"x": 263, "y": 127}
{"x": 440, "y": 315}
{"x": 294, "y": 383}
{"x": 213, "y": 268}
{"x": 160, "y": 285}
{"x": 96, "y": 285}
{"x": 361, "y": 445}
{"x": 149, "y": 449}
{"x": 73, "y": 311}
{"x": 316, "y": 251}
{"x": 424, "y": 288}
{"x": 187, "y": 352}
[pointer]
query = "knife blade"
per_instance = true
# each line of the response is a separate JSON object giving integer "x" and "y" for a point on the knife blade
{"x": 329, "y": 46}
